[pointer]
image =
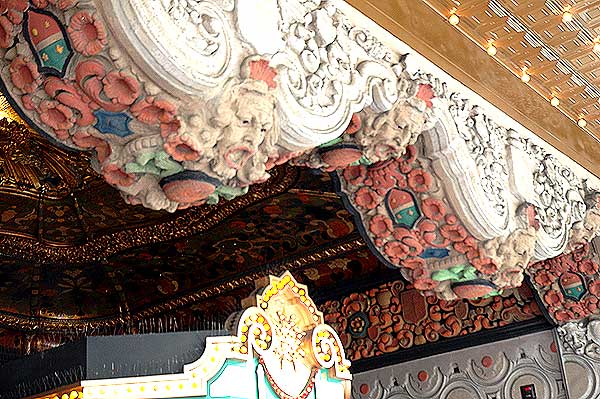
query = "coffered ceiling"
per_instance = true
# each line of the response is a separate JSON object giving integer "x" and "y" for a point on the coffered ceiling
{"x": 551, "y": 45}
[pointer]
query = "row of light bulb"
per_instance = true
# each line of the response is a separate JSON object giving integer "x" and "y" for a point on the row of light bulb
{"x": 492, "y": 50}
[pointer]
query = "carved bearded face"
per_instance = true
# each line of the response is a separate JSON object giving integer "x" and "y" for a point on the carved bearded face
{"x": 390, "y": 133}
{"x": 247, "y": 121}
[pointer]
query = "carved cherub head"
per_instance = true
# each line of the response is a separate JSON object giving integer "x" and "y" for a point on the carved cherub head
{"x": 246, "y": 119}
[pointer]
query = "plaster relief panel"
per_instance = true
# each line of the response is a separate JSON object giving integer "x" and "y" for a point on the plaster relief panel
{"x": 496, "y": 371}
{"x": 580, "y": 347}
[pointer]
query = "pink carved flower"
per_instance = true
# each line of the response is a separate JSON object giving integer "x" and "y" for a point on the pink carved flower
{"x": 485, "y": 265}
{"x": 419, "y": 180}
{"x": 28, "y": 103}
{"x": 169, "y": 128}
{"x": 87, "y": 33}
{"x": 121, "y": 88}
{"x": 13, "y": 9}
{"x": 63, "y": 4}
{"x": 56, "y": 115}
{"x": 116, "y": 176}
{"x": 355, "y": 124}
{"x": 433, "y": 209}
{"x": 581, "y": 252}
{"x": 563, "y": 315}
{"x": 587, "y": 266}
{"x": 366, "y": 198}
{"x": 260, "y": 70}
{"x": 422, "y": 279}
{"x": 396, "y": 251}
{"x": 24, "y": 74}
{"x": 455, "y": 233}
{"x": 381, "y": 226}
{"x": 413, "y": 263}
{"x": 425, "y": 284}
{"x": 578, "y": 310}
{"x": 413, "y": 246}
{"x": 426, "y": 93}
{"x": 151, "y": 110}
{"x": 544, "y": 278}
{"x": 382, "y": 181}
{"x": 355, "y": 175}
{"x": 553, "y": 298}
{"x": 85, "y": 140}
{"x": 182, "y": 148}
{"x": 594, "y": 288}
{"x": 7, "y": 32}
{"x": 591, "y": 304}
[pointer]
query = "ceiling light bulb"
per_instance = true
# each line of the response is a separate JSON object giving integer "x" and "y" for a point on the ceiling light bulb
{"x": 582, "y": 123}
{"x": 596, "y": 47}
{"x": 525, "y": 77}
{"x": 555, "y": 102}
{"x": 491, "y": 49}
{"x": 567, "y": 16}
{"x": 453, "y": 19}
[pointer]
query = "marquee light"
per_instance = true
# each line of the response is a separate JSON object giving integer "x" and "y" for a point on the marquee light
{"x": 281, "y": 330}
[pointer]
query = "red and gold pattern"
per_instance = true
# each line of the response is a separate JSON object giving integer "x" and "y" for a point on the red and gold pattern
{"x": 384, "y": 319}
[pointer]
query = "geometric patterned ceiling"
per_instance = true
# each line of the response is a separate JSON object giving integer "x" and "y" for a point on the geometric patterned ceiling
{"x": 553, "y": 45}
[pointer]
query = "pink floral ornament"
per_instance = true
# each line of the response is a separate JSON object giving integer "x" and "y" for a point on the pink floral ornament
{"x": 87, "y": 33}
{"x": 116, "y": 176}
{"x": 151, "y": 111}
{"x": 56, "y": 115}
{"x": 121, "y": 88}
{"x": 86, "y": 140}
{"x": 355, "y": 174}
{"x": 366, "y": 198}
{"x": 419, "y": 180}
{"x": 425, "y": 93}
{"x": 69, "y": 95}
{"x": 17, "y": 5}
{"x": 381, "y": 226}
{"x": 260, "y": 70}
{"x": 24, "y": 74}
{"x": 7, "y": 32}
{"x": 61, "y": 4}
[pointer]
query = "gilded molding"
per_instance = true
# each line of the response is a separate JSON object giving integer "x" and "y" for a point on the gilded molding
{"x": 192, "y": 221}
{"x": 39, "y": 324}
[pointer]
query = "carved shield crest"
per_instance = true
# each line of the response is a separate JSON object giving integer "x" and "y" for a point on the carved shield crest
{"x": 48, "y": 42}
{"x": 402, "y": 208}
{"x": 572, "y": 286}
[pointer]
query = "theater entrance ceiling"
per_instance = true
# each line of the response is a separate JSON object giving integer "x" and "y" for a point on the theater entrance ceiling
{"x": 75, "y": 261}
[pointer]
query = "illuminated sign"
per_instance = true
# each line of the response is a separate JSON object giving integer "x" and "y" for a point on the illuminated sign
{"x": 282, "y": 350}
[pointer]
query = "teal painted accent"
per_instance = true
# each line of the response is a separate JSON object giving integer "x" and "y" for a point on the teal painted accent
{"x": 226, "y": 192}
{"x": 408, "y": 216}
{"x": 458, "y": 273}
{"x": 243, "y": 368}
{"x": 575, "y": 293}
{"x": 51, "y": 57}
{"x": 157, "y": 163}
{"x": 332, "y": 142}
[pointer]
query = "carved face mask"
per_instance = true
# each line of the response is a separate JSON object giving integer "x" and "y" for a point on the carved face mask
{"x": 251, "y": 123}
